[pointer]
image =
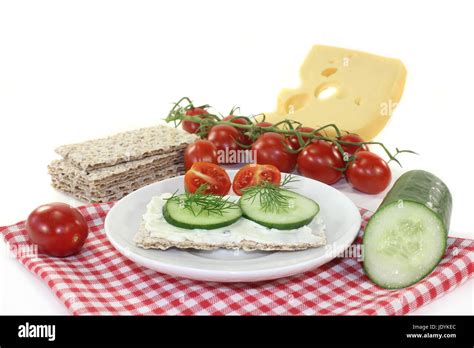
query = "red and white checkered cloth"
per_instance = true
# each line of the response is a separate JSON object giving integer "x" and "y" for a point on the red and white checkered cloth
{"x": 99, "y": 280}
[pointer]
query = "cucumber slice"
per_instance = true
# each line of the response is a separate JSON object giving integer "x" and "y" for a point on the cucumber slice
{"x": 176, "y": 215}
{"x": 406, "y": 237}
{"x": 300, "y": 211}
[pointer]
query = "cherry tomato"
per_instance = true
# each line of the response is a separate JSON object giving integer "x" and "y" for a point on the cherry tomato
{"x": 211, "y": 174}
{"x": 321, "y": 160}
{"x": 200, "y": 151}
{"x": 190, "y": 126}
{"x": 352, "y": 149}
{"x": 57, "y": 228}
{"x": 225, "y": 139}
{"x": 293, "y": 139}
{"x": 244, "y": 139}
{"x": 270, "y": 149}
{"x": 236, "y": 119}
{"x": 264, "y": 124}
{"x": 368, "y": 173}
{"x": 253, "y": 174}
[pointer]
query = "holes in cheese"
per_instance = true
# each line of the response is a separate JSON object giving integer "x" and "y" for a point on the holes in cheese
{"x": 366, "y": 86}
{"x": 296, "y": 102}
{"x": 327, "y": 91}
{"x": 328, "y": 72}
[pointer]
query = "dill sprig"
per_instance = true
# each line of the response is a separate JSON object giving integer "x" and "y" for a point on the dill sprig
{"x": 198, "y": 202}
{"x": 271, "y": 196}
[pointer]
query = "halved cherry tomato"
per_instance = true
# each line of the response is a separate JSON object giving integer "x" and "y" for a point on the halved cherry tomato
{"x": 270, "y": 149}
{"x": 210, "y": 174}
{"x": 353, "y": 138}
{"x": 190, "y": 126}
{"x": 368, "y": 173}
{"x": 320, "y": 160}
{"x": 58, "y": 229}
{"x": 293, "y": 139}
{"x": 200, "y": 151}
{"x": 253, "y": 174}
{"x": 244, "y": 139}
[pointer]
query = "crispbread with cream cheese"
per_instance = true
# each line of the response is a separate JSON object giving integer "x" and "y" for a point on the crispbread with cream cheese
{"x": 144, "y": 240}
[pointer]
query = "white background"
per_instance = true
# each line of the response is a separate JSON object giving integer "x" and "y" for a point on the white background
{"x": 73, "y": 70}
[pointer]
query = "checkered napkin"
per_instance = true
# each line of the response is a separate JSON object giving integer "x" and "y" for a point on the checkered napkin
{"x": 101, "y": 281}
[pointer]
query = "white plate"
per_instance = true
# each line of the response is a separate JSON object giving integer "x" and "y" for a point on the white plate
{"x": 340, "y": 215}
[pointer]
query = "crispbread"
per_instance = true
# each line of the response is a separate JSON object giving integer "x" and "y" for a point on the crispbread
{"x": 117, "y": 191}
{"x": 125, "y": 147}
{"x": 115, "y": 196}
{"x": 123, "y": 185}
{"x": 144, "y": 240}
{"x": 103, "y": 177}
{"x": 91, "y": 198}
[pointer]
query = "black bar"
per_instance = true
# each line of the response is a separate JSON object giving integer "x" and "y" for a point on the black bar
{"x": 240, "y": 330}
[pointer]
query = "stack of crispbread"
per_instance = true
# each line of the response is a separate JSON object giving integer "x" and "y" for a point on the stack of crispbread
{"x": 107, "y": 169}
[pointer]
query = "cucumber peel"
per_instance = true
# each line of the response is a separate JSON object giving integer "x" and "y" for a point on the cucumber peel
{"x": 300, "y": 211}
{"x": 406, "y": 237}
{"x": 177, "y": 215}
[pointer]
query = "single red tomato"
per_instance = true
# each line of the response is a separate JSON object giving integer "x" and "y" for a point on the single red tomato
{"x": 244, "y": 138}
{"x": 353, "y": 138}
{"x": 225, "y": 138}
{"x": 321, "y": 160}
{"x": 190, "y": 126}
{"x": 264, "y": 124}
{"x": 253, "y": 174}
{"x": 210, "y": 174}
{"x": 368, "y": 173}
{"x": 236, "y": 119}
{"x": 57, "y": 228}
{"x": 293, "y": 139}
{"x": 200, "y": 151}
{"x": 270, "y": 148}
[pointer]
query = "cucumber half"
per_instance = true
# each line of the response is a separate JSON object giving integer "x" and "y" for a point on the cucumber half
{"x": 176, "y": 215}
{"x": 300, "y": 211}
{"x": 406, "y": 237}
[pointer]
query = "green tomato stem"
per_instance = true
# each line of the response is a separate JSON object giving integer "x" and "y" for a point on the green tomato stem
{"x": 178, "y": 113}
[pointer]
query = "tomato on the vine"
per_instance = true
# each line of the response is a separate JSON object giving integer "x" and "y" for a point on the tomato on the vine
{"x": 253, "y": 174}
{"x": 264, "y": 124}
{"x": 225, "y": 138}
{"x": 57, "y": 228}
{"x": 191, "y": 126}
{"x": 200, "y": 151}
{"x": 270, "y": 148}
{"x": 353, "y": 138}
{"x": 368, "y": 173}
{"x": 293, "y": 139}
{"x": 244, "y": 139}
{"x": 210, "y": 174}
{"x": 320, "y": 160}
{"x": 236, "y": 119}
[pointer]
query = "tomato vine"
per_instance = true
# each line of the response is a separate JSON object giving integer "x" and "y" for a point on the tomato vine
{"x": 286, "y": 127}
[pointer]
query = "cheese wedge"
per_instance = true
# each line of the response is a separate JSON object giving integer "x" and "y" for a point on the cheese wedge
{"x": 355, "y": 90}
